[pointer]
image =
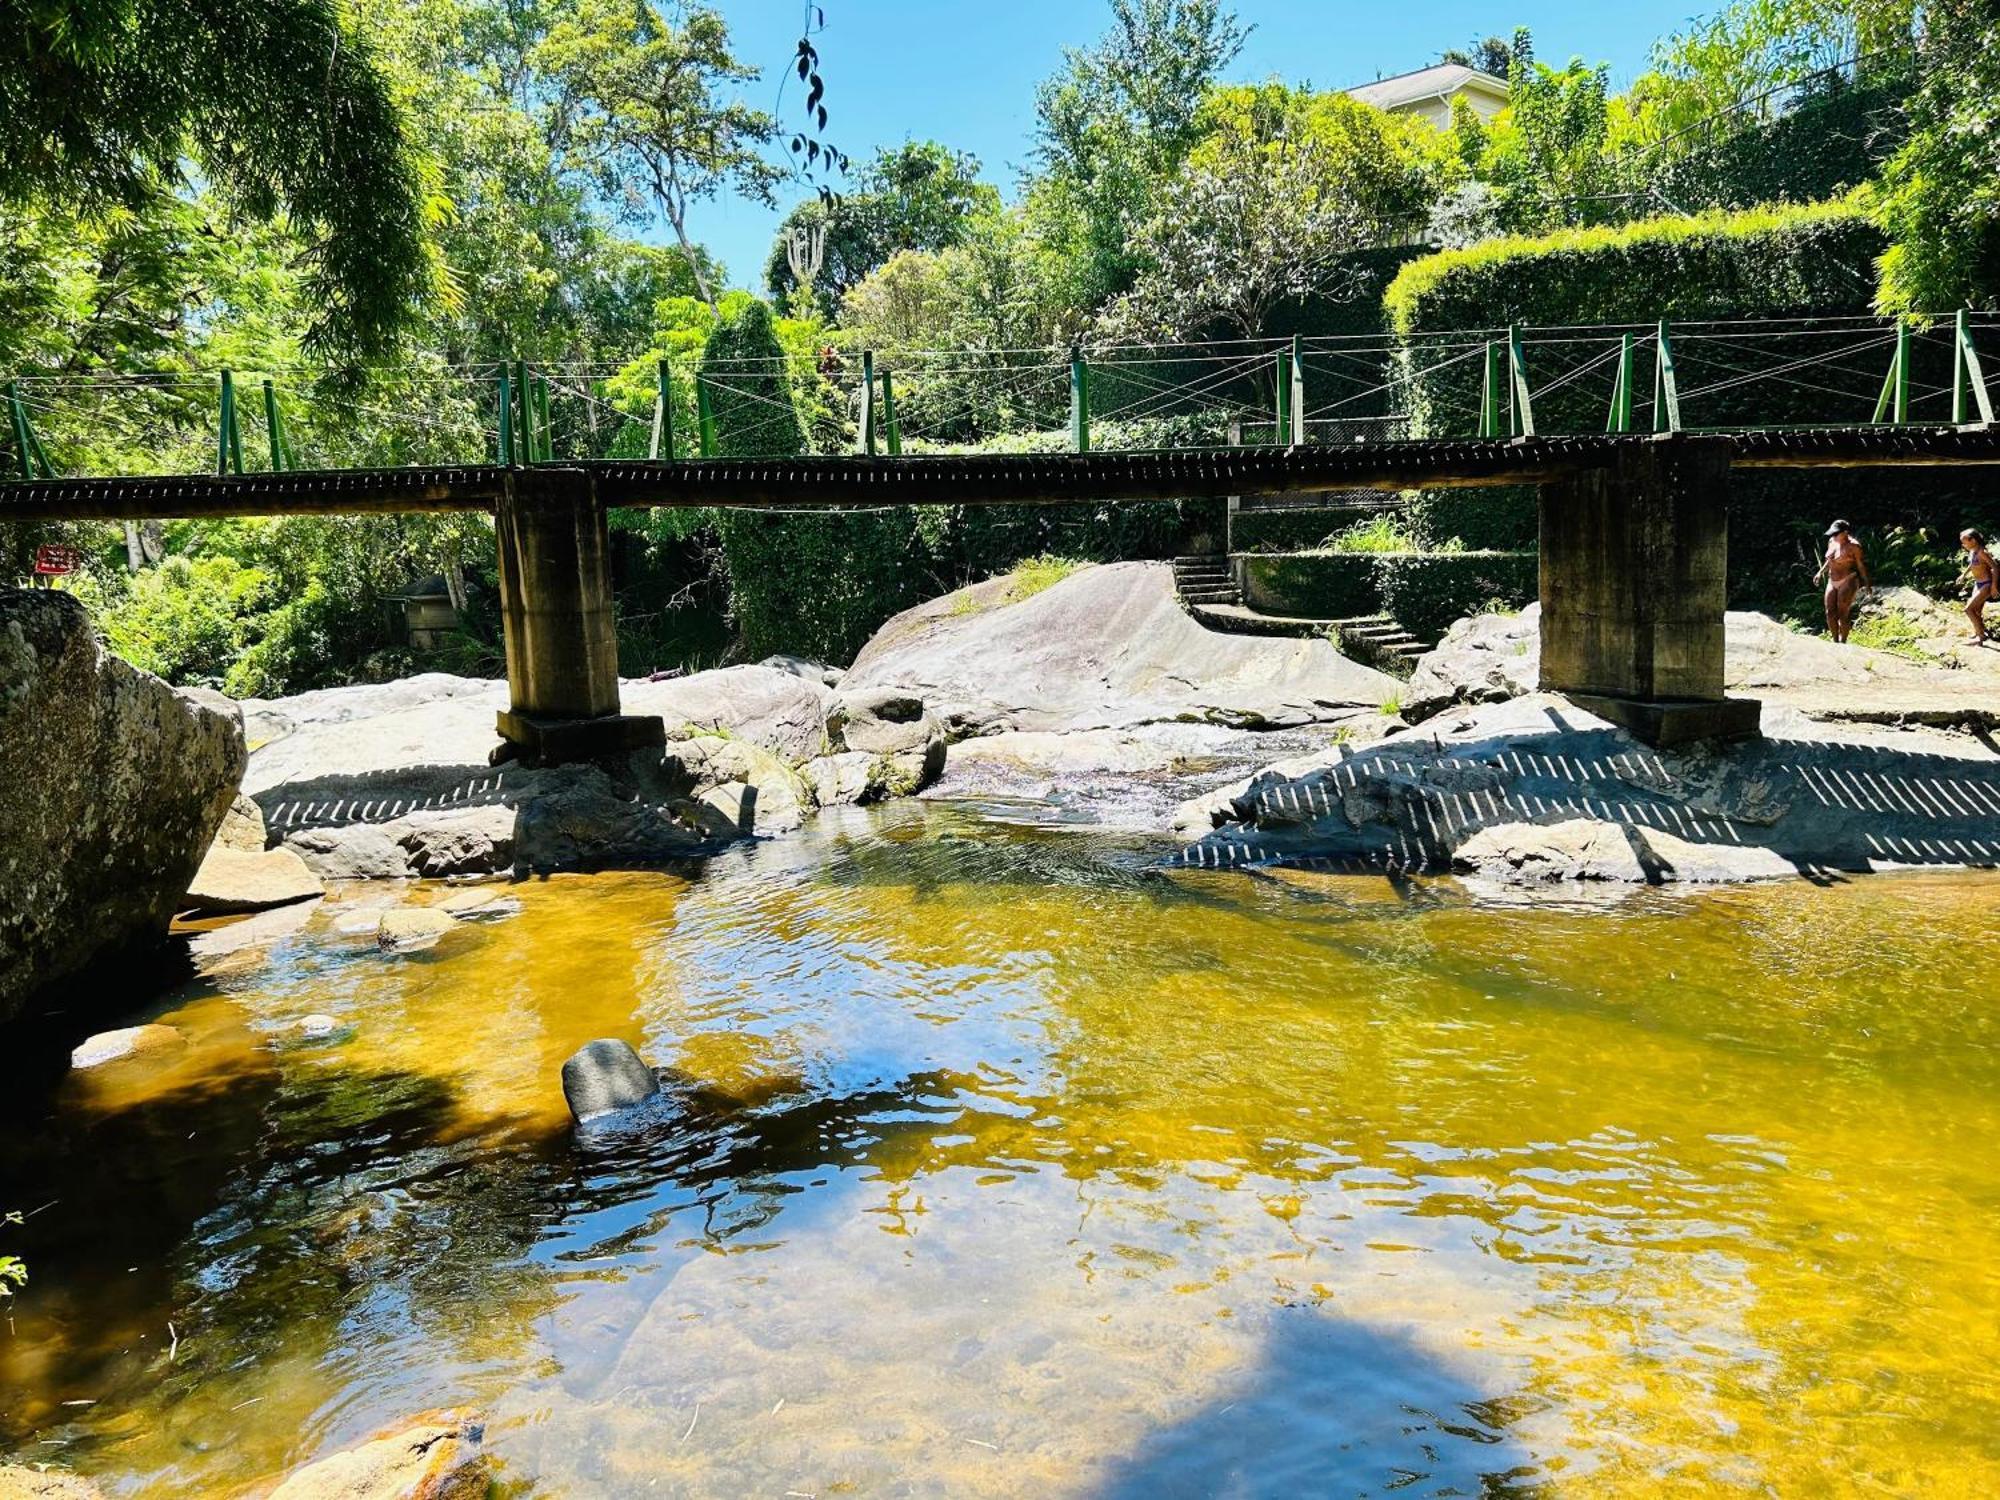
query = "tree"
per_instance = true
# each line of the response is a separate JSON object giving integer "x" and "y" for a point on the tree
{"x": 642, "y": 101}
{"x": 1493, "y": 55}
{"x": 1939, "y": 198}
{"x": 1283, "y": 188}
{"x": 917, "y": 196}
{"x": 280, "y": 104}
{"x": 1116, "y": 122}
{"x": 1547, "y": 155}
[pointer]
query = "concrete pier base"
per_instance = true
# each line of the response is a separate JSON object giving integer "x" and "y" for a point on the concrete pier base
{"x": 1634, "y": 581}
{"x": 562, "y": 642}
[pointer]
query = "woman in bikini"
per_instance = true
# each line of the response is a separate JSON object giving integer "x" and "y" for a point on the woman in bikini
{"x": 1984, "y": 576}
{"x": 1846, "y": 572}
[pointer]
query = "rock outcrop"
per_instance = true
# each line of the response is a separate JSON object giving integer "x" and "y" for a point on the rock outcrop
{"x": 392, "y": 782}
{"x": 1535, "y": 790}
{"x": 240, "y": 874}
{"x": 1490, "y": 658}
{"x": 114, "y": 786}
{"x": 1108, "y": 647}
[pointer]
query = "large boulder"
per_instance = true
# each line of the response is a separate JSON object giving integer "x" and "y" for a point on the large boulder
{"x": 439, "y": 1455}
{"x": 115, "y": 785}
{"x": 1106, "y": 648}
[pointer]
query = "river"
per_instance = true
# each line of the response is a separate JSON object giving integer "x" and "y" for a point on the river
{"x": 1004, "y": 1164}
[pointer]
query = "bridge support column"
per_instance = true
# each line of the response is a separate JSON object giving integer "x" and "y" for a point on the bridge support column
{"x": 562, "y": 642}
{"x": 1634, "y": 580}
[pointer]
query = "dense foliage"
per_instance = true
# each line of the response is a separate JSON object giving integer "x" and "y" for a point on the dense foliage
{"x": 375, "y": 202}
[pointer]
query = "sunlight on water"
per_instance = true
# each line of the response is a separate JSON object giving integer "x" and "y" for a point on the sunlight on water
{"x": 1000, "y": 1164}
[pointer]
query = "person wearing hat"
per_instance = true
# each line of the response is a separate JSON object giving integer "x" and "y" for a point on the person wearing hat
{"x": 1846, "y": 574}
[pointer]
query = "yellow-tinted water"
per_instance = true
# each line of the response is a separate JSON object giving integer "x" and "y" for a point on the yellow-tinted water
{"x": 1003, "y": 1167}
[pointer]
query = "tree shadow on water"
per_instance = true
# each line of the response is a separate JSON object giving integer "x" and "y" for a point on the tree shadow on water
{"x": 1335, "y": 1408}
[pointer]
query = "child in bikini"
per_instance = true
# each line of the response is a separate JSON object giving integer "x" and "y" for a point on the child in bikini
{"x": 1984, "y": 576}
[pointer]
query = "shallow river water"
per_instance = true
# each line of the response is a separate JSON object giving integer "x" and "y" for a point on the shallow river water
{"x": 1000, "y": 1164}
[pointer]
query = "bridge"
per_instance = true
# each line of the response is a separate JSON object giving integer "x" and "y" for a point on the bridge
{"x": 1633, "y": 525}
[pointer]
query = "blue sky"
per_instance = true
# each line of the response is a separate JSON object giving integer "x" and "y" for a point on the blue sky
{"x": 965, "y": 74}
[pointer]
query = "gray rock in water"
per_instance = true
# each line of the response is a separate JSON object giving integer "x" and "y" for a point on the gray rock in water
{"x": 605, "y": 1076}
{"x": 112, "y": 786}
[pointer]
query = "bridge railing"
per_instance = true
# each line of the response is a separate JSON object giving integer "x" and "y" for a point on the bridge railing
{"x": 1692, "y": 375}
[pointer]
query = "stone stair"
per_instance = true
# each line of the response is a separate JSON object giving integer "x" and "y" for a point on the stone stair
{"x": 1205, "y": 580}
{"x": 1208, "y": 591}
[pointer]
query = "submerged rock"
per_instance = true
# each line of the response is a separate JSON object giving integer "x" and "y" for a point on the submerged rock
{"x": 411, "y": 929}
{"x": 22, "y": 1482}
{"x": 129, "y": 1041}
{"x": 440, "y": 1455}
{"x": 605, "y": 1076}
{"x": 112, "y": 787}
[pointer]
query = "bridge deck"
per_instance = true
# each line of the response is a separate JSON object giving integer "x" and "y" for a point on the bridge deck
{"x": 983, "y": 479}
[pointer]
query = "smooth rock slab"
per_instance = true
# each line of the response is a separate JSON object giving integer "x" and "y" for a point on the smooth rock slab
{"x": 237, "y": 880}
{"x": 440, "y": 1455}
{"x": 605, "y": 1076}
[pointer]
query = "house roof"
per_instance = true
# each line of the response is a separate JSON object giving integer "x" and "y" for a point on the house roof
{"x": 1439, "y": 82}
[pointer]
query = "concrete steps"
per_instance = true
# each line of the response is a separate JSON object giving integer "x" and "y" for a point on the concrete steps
{"x": 1208, "y": 591}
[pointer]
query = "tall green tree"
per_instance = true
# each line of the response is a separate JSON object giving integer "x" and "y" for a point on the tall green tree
{"x": 1115, "y": 123}
{"x": 1939, "y": 198}
{"x": 921, "y": 195}
{"x": 647, "y": 106}
{"x": 280, "y": 104}
{"x": 1269, "y": 208}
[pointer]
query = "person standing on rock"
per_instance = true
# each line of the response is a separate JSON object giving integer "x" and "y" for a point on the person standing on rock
{"x": 1846, "y": 574}
{"x": 1984, "y": 575}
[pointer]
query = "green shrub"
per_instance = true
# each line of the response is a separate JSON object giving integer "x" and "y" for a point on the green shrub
{"x": 1379, "y": 533}
{"x": 188, "y": 620}
{"x": 1424, "y": 592}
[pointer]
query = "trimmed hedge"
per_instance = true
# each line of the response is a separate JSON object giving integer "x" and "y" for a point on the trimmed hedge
{"x": 1422, "y": 591}
{"x": 1806, "y": 262}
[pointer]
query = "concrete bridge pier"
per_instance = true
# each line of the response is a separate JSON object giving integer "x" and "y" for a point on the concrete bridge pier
{"x": 562, "y": 640}
{"x": 1634, "y": 581}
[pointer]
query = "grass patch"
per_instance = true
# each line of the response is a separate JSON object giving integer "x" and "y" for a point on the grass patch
{"x": 1890, "y": 630}
{"x": 1392, "y": 706}
{"x": 1383, "y": 533}
{"x": 1033, "y": 575}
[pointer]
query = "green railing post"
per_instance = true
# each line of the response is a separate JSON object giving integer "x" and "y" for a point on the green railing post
{"x": 1894, "y": 402}
{"x": 1666, "y": 389}
{"x": 704, "y": 416}
{"x": 273, "y": 429}
{"x": 228, "y": 440}
{"x": 1489, "y": 398}
{"x": 1517, "y": 368}
{"x": 868, "y": 402}
{"x": 1281, "y": 377}
{"x": 1299, "y": 433}
{"x": 27, "y": 450}
{"x": 1079, "y": 400}
{"x": 506, "y": 419}
{"x": 1967, "y": 378}
{"x": 542, "y": 424}
{"x": 1621, "y": 391}
{"x": 890, "y": 431}
{"x": 528, "y": 447}
{"x": 663, "y": 417}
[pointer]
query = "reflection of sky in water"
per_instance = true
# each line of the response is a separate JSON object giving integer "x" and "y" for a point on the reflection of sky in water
{"x": 997, "y": 1164}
